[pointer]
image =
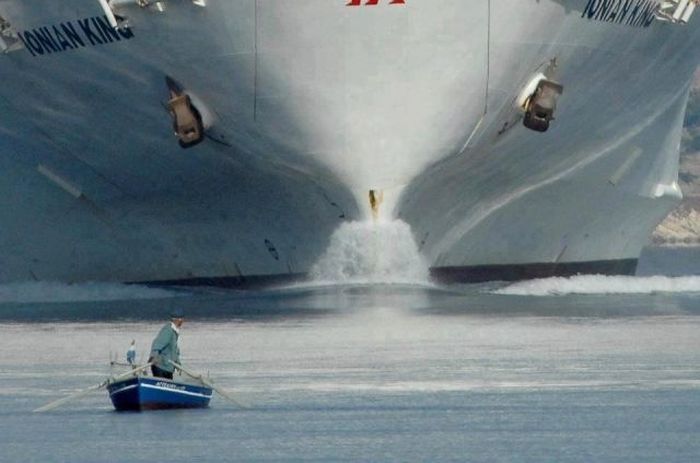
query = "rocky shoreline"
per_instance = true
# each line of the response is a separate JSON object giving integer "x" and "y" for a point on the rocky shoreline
{"x": 682, "y": 226}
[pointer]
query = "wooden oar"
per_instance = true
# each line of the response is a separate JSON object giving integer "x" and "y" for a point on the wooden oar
{"x": 208, "y": 383}
{"x": 97, "y": 387}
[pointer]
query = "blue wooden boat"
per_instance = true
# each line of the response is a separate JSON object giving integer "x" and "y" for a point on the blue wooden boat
{"x": 150, "y": 393}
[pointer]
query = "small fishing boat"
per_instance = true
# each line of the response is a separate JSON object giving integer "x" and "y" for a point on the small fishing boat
{"x": 135, "y": 390}
{"x": 150, "y": 393}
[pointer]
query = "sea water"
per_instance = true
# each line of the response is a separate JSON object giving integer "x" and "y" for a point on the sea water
{"x": 567, "y": 370}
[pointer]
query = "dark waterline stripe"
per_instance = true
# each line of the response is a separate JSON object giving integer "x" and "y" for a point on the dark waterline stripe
{"x": 238, "y": 282}
{"x": 516, "y": 272}
{"x": 446, "y": 275}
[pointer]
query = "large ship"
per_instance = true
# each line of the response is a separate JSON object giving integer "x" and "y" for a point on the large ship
{"x": 223, "y": 141}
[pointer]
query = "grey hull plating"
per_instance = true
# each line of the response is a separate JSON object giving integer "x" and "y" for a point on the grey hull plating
{"x": 309, "y": 105}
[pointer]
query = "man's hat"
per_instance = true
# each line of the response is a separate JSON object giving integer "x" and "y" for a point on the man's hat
{"x": 177, "y": 313}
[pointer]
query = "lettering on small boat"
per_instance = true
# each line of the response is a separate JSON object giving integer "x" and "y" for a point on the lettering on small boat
{"x": 170, "y": 386}
{"x": 71, "y": 35}
{"x": 374, "y": 2}
{"x": 635, "y": 13}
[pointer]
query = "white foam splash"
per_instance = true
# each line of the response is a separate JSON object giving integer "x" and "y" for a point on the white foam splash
{"x": 372, "y": 252}
{"x": 601, "y": 284}
{"x": 64, "y": 292}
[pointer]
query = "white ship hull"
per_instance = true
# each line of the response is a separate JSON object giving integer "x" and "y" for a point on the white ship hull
{"x": 309, "y": 105}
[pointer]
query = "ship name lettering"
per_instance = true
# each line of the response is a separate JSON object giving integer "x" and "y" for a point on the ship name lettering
{"x": 634, "y": 13}
{"x": 91, "y": 36}
{"x": 71, "y": 35}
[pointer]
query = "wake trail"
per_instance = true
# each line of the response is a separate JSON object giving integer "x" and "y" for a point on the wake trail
{"x": 602, "y": 284}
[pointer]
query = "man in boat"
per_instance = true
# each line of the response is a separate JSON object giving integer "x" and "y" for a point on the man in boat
{"x": 164, "y": 348}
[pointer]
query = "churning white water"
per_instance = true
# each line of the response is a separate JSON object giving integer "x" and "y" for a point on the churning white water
{"x": 600, "y": 284}
{"x": 372, "y": 252}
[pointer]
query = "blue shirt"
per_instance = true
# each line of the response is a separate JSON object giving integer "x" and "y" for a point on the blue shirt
{"x": 131, "y": 355}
